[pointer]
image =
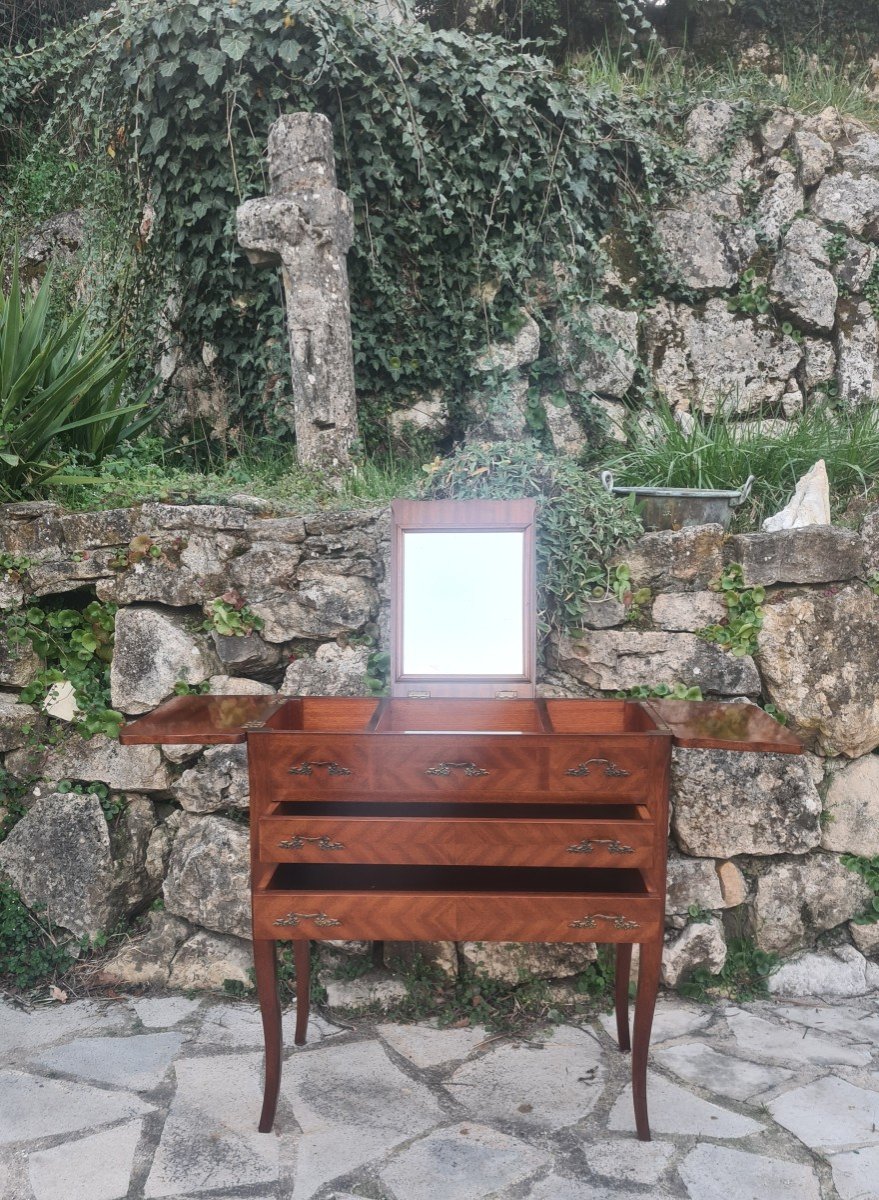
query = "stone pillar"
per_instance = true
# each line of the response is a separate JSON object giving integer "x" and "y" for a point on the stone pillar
{"x": 306, "y": 226}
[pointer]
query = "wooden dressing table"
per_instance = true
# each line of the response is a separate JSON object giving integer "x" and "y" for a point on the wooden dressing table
{"x": 461, "y": 808}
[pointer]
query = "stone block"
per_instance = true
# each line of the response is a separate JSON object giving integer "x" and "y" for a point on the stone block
{"x": 612, "y": 660}
{"x": 604, "y": 361}
{"x": 710, "y": 1172}
{"x": 208, "y": 879}
{"x": 207, "y": 960}
{"x": 811, "y": 554}
{"x": 857, "y": 352}
{"x": 154, "y": 650}
{"x": 687, "y": 612}
{"x": 16, "y": 722}
{"x": 700, "y": 945}
{"x": 103, "y": 876}
{"x": 819, "y": 658}
{"x": 333, "y": 670}
{"x": 728, "y": 803}
{"x": 849, "y": 200}
{"x": 852, "y": 808}
{"x": 683, "y": 560}
{"x": 122, "y": 768}
{"x": 520, "y": 962}
{"x": 841, "y": 973}
{"x": 692, "y": 881}
{"x": 217, "y": 780}
{"x": 798, "y": 898}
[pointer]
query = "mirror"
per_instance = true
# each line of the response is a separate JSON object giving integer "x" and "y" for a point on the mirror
{"x": 463, "y": 598}
{"x": 462, "y": 613}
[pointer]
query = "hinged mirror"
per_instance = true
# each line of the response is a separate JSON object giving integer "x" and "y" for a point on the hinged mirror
{"x": 462, "y": 600}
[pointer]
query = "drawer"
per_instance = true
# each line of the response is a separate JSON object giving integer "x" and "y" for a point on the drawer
{"x": 456, "y": 903}
{"x": 461, "y": 766}
{"x": 523, "y": 836}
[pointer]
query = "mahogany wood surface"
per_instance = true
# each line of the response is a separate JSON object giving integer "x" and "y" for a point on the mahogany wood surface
{"x": 701, "y": 725}
{"x": 502, "y": 840}
{"x": 200, "y": 720}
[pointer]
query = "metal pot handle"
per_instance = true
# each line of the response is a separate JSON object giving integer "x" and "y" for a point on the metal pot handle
{"x": 607, "y": 480}
{"x": 744, "y": 493}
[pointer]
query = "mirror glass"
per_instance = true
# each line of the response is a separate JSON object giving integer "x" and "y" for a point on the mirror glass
{"x": 463, "y": 603}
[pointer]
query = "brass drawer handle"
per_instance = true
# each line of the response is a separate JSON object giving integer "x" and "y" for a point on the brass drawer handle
{"x": 307, "y": 768}
{"x": 611, "y": 770}
{"x": 617, "y": 919}
{"x": 297, "y": 842}
{"x": 446, "y": 768}
{"x": 319, "y": 918}
{"x": 589, "y": 844}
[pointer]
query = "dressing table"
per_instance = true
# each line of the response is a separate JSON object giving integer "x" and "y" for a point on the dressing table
{"x": 462, "y": 807}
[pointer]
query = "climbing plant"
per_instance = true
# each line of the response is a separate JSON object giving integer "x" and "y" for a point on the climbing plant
{"x": 474, "y": 169}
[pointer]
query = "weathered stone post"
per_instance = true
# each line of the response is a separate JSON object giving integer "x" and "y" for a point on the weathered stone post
{"x": 307, "y": 226}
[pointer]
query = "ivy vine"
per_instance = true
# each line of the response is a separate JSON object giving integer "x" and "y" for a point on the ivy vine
{"x": 474, "y": 168}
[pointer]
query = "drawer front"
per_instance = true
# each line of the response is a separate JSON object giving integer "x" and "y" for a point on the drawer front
{"x": 417, "y": 916}
{"x": 370, "y": 916}
{"x": 595, "y": 767}
{"x": 553, "y": 918}
{"x": 456, "y": 842}
{"x": 466, "y": 767}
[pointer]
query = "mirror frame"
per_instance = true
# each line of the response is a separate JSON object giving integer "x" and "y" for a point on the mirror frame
{"x": 474, "y": 516}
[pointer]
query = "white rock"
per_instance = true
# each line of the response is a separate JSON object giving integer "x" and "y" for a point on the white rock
{"x": 763, "y": 1040}
{"x": 841, "y": 972}
{"x": 60, "y": 701}
{"x": 701, "y": 944}
{"x": 855, "y": 1174}
{"x": 93, "y": 1168}
{"x": 721, "y": 1073}
{"x": 809, "y": 505}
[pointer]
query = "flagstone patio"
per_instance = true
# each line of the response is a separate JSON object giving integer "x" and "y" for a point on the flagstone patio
{"x": 159, "y": 1097}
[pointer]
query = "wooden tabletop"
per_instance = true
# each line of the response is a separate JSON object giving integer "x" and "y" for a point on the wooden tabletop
{"x": 703, "y": 725}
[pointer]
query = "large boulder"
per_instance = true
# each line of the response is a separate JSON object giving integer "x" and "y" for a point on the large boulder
{"x": 96, "y": 759}
{"x": 613, "y": 660}
{"x": 154, "y": 650}
{"x": 797, "y": 898}
{"x": 713, "y": 358}
{"x": 327, "y": 606}
{"x": 814, "y": 156}
{"x": 778, "y": 205}
{"x": 63, "y": 857}
{"x": 208, "y": 879}
{"x": 217, "y": 780}
{"x": 819, "y": 658}
{"x": 861, "y": 154}
{"x": 842, "y": 972}
{"x": 852, "y": 809}
{"x": 727, "y": 803}
{"x": 809, "y": 554}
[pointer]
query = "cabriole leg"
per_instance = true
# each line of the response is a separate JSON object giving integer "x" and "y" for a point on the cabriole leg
{"x": 645, "y": 1002}
{"x": 621, "y": 992}
{"x": 265, "y": 962}
{"x": 302, "y": 960}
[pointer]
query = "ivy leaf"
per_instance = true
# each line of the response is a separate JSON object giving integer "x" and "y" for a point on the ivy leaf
{"x": 235, "y": 44}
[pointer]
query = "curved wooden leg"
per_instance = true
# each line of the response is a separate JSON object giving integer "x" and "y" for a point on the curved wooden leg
{"x": 622, "y": 974}
{"x": 645, "y": 1002}
{"x": 302, "y": 960}
{"x": 265, "y": 962}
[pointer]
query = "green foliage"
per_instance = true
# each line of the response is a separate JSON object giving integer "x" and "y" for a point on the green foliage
{"x": 74, "y": 645}
{"x": 752, "y": 295}
{"x": 713, "y": 453}
{"x": 738, "y": 631}
{"x": 31, "y": 953}
{"x": 471, "y": 165}
{"x": 579, "y": 524}
{"x": 871, "y": 289}
{"x": 661, "y": 691}
{"x": 836, "y": 246}
{"x": 743, "y": 977}
{"x": 698, "y": 915}
{"x": 112, "y": 805}
{"x": 12, "y": 796}
{"x": 59, "y": 393}
{"x": 183, "y": 688}
{"x": 633, "y": 599}
{"x": 229, "y": 616}
{"x": 378, "y": 673}
{"x": 868, "y": 869}
{"x": 775, "y": 712}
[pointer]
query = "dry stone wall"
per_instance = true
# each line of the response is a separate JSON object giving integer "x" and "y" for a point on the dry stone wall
{"x": 756, "y": 840}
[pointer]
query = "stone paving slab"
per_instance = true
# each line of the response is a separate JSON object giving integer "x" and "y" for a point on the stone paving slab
{"x": 157, "y": 1098}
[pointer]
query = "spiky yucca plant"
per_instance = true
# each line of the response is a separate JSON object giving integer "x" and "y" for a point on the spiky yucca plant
{"x": 60, "y": 393}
